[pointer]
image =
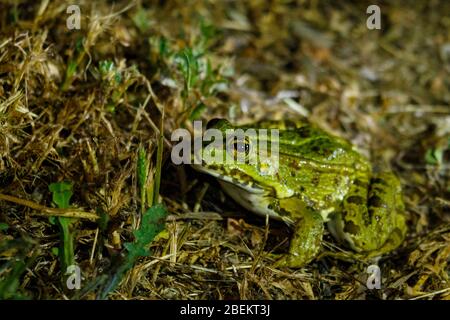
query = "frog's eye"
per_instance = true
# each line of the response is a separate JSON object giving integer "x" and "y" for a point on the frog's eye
{"x": 241, "y": 147}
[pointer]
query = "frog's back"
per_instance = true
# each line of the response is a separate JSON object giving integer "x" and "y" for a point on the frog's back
{"x": 319, "y": 166}
{"x": 316, "y": 145}
{"x": 302, "y": 140}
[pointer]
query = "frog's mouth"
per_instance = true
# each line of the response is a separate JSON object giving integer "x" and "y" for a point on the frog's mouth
{"x": 249, "y": 194}
{"x": 245, "y": 182}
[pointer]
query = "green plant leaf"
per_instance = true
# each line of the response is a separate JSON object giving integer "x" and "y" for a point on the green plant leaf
{"x": 61, "y": 194}
{"x": 434, "y": 156}
{"x": 142, "y": 172}
{"x": 55, "y": 251}
{"x": 188, "y": 65}
{"x": 9, "y": 285}
{"x": 12, "y": 270}
{"x": 105, "y": 66}
{"x": 141, "y": 20}
{"x": 153, "y": 221}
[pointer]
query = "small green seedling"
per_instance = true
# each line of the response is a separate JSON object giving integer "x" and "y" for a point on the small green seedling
{"x": 145, "y": 188}
{"x": 153, "y": 222}
{"x": 61, "y": 194}
{"x": 434, "y": 156}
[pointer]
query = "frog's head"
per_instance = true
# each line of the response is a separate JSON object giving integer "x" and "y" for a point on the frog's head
{"x": 233, "y": 155}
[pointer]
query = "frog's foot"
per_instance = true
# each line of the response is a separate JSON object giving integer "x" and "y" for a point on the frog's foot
{"x": 306, "y": 240}
{"x": 372, "y": 223}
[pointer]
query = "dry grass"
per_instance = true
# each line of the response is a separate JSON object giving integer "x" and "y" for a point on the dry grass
{"x": 77, "y": 106}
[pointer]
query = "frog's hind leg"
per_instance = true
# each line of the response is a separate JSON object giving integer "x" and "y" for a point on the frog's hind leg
{"x": 371, "y": 220}
{"x": 307, "y": 238}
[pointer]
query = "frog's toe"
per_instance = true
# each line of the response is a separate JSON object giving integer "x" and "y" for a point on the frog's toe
{"x": 289, "y": 261}
{"x": 281, "y": 262}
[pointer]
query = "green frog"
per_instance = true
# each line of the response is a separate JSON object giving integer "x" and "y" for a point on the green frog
{"x": 315, "y": 178}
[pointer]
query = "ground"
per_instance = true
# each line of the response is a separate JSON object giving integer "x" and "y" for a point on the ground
{"x": 83, "y": 103}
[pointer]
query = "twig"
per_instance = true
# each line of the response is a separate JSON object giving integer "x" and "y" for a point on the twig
{"x": 46, "y": 211}
{"x": 431, "y": 294}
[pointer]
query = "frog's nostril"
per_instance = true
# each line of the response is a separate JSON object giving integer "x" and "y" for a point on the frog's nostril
{"x": 211, "y": 123}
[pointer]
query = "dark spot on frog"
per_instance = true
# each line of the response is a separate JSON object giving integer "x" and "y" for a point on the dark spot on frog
{"x": 294, "y": 165}
{"x": 235, "y": 172}
{"x": 368, "y": 218}
{"x": 315, "y": 180}
{"x": 377, "y": 190}
{"x": 336, "y": 181}
{"x": 311, "y": 204}
{"x": 293, "y": 174}
{"x": 275, "y": 206}
{"x": 355, "y": 200}
{"x": 317, "y": 148}
{"x": 360, "y": 183}
{"x": 302, "y": 189}
{"x": 378, "y": 181}
{"x": 283, "y": 212}
{"x": 351, "y": 228}
{"x": 304, "y": 132}
{"x": 375, "y": 201}
{"x": 289, "y": 124}
{"x": 322, "y": 149}
{"x": 213, "y": 167}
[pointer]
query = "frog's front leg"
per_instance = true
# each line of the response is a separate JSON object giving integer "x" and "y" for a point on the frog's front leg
{"x": 307, "y": 237}
{"x": 371, "y": 221}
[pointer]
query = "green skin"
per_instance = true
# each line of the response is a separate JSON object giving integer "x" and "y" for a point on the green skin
{"x": 320, "y": 178}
